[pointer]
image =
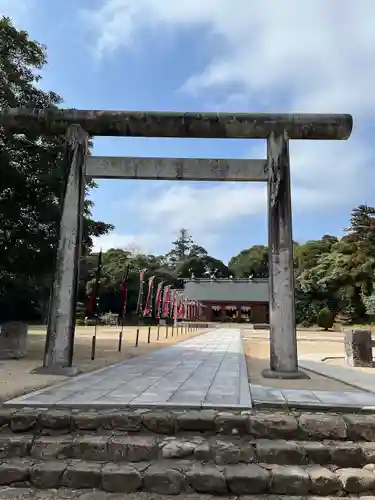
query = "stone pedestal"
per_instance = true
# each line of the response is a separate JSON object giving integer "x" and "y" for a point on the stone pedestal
{"x": 358, "y": 347}
{"x": 13, "y": 338}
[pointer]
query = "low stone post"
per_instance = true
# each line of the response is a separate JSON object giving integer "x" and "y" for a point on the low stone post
{"x": 358, "y": 347}
{"x": 61, "y": 324}
{"x": 283, "y": 338}
{"x": 13, "y": 340}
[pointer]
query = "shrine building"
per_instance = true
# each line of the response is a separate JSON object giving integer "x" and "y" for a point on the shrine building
{"x": 231, "y": 300}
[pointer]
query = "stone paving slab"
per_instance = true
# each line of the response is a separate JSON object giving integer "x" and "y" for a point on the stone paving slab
{"x": 206, "y": 371}
{"x": 361, "y": 380}
{"x": 269, "y": 396}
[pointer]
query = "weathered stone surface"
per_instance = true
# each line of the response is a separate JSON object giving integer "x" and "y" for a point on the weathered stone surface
{"x": 47, "y": 475}
{"x": 132, "y": 448}
{"x": 160, "y": 422}
{"x": 204, "y": 452}
{"x": 90, "y": 447}
{"x": 226, "y": 452}
{"x": 81, "y": 475}
{"x": 164, "y": 481}
{"x": 15, "y": 446}
{"x": 54, "y": 419}
{"x": 13, "y": 337}
{"x": 207, "y": 479}
{"x": 272, "y": 425}
{"x": 356, "y": 480}
{"x": 177, "y": 448}
{"x": 316, "y": 453}
{"x": 347, "y": 454}
{"x": 323, "y": 481}
{"x": 358, "y": 347}
{"x": 11, "y": 493}
{"x": 368, "y": 450}
{"x": 120, "y": 478}
{"x": 14, "y": 471}
{"x": 177, "y": 124}
{"x": 5, "y": 416}
{"x": 94, "y": 495}
{"x": 47, "y": 447}
{"x": 280, "y": 452}
{"x": 23, "y": 420}
{"x": 87, "y": 421}
{"x": 361, "y": 426}
{"x": 370, "y": 467}
{"x": 231, "y": 423}
{"x": 200, "y": 421}
{"x": 322, "y": 426}
{"x": 122, "y": 421}
{"x": 289, "y": 480}
{"x": 247, "y": 479}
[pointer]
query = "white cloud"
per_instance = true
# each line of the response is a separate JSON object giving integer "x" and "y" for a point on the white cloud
{"x": 310, "y": 56}
{"x": 136, "y": 244}
{"x": 321, "y": 53}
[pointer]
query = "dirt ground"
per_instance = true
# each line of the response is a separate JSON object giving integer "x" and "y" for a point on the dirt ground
{"x": 257, "y": 349}
{"x": 15, "y": 376}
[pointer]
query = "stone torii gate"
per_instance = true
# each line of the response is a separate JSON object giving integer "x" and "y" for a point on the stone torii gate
{"x": 277, "y": 129}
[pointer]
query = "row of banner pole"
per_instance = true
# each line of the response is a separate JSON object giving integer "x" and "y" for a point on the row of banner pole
{"x": 169, "y": 304}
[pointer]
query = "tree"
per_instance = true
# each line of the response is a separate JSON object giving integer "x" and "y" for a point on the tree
{"x": 31, "y": 181}
{"x": 202, "y": 267}
{"x": 308, "y": 254}
{"x": 252, "y": 262}
{"x": 362, "y": 228}
{"x": 181, "y": 248}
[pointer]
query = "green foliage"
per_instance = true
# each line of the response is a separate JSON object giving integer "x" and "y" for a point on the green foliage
{"x": 31, "y": 183}
{"x": 251, "y": 262}
{"x": 184, "y": 248}
{"x": 109, "y": 318}
{"x": 325, "y": 318}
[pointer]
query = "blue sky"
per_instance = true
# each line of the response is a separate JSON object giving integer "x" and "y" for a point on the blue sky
{"x": 212, "y": 55}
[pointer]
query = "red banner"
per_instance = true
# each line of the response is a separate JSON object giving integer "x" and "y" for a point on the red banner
{"x": 93, "y": 302}
{"x": 158, "y": 303}
{"x": 166, "y": 298}
{"x": 175, "y": 308}
{"x": 172, "y": 301}
{"x": 140, "y": 293}
{"x": 124, "y": 294}
{"x": 148, "y": 307}
{"x": 181, "y": 308}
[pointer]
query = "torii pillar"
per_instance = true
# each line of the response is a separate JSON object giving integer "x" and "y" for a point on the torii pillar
{"x": 283, "y": 335}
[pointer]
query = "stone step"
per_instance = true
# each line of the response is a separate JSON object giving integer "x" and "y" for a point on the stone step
{"x": 10, "y": 493}
{"x": 312, "y": 426}
{"x": 176, "y": 477}
{"x": 219, "y": 450}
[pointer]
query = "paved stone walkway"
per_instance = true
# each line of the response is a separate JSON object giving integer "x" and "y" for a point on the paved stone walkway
{"x": 207, "y": 371}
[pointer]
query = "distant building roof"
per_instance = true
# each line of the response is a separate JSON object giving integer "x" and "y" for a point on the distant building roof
{"x": 231, "y": 290}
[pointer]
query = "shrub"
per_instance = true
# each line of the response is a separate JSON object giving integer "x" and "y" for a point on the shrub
{"x": 325, "y": 318}
{"x": 108, "y": 318}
